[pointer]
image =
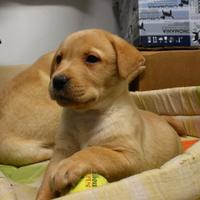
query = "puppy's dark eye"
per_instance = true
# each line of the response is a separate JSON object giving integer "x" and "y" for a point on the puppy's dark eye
{"x": 92, "y": 59}
{"x": 58, "y": 59}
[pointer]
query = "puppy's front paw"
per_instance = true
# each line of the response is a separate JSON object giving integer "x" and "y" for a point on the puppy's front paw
{"x": 67, "y": 174}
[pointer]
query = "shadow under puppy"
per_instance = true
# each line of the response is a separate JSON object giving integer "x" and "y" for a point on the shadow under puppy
{"x": 102, "y": 130}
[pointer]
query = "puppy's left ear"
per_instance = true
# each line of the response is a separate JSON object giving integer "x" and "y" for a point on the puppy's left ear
{"x": 130, "y": 61}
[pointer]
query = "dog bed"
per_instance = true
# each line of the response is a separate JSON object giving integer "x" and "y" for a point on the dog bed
{"x": 183, "y": 103}
{"x": 178, "y": 179}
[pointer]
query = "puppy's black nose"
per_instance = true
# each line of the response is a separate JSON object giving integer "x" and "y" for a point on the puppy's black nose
{"x": 59, "y": 82}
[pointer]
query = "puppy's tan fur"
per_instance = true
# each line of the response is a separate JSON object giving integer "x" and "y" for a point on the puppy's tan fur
{"x": 26, "y": 133}
{"x": 102, "y": 130}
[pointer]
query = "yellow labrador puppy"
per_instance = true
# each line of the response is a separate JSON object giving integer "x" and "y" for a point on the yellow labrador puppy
{"x": 102, "y": 130}
{"x": 26, "y": 133}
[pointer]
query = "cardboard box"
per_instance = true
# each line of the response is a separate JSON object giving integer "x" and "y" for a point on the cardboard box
{"x": 160, "y": 23}
{"x": 167, "y": 69}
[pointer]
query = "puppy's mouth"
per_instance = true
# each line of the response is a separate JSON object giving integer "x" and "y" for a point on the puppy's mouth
{"x": 73, "y": 96}
{"x": 67, "y": 101}
{"x": 62, "y": 99}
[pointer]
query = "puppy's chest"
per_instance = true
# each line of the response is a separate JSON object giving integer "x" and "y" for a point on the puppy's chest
{"x": 91, "y": 129}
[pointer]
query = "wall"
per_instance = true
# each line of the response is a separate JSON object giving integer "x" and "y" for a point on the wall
{"x": 29, "y": 29}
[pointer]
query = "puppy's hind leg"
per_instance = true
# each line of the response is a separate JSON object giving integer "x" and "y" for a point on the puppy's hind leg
{"x": 18, "y": 152}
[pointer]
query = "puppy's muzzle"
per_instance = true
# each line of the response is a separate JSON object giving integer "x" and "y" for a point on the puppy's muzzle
{"x": 60, "y": 82}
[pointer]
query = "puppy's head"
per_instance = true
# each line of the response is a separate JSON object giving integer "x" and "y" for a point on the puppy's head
{"x": 90, "y": 66}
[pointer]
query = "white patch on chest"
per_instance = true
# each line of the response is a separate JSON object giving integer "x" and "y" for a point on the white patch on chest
{"x": 95, "y": 126}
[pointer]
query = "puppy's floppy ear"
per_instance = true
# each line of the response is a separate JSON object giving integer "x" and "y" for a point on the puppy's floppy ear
{"x": 129, "y": 60}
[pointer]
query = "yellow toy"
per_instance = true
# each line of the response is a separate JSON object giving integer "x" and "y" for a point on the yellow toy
{"x": 89, "y": 181}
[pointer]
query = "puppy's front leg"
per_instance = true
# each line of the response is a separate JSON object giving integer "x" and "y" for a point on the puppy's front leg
{"x": 112, "y": 164}
{"x": 45, "y": 192}
{"x": 61, "y": 152}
